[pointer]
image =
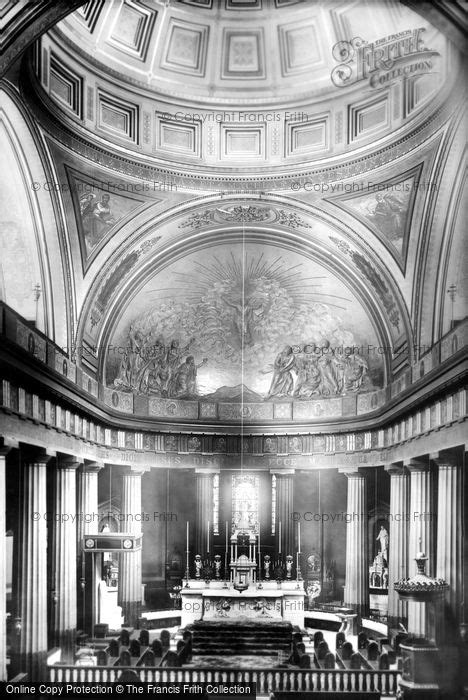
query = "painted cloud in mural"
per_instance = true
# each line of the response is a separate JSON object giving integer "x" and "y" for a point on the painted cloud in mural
{"x": 257, "y": 322}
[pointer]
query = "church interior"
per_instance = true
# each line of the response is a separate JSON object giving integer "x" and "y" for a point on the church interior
{"x": 233, "y": 346}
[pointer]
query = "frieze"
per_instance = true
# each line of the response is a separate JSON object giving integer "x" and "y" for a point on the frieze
{"x": 347, "y": 447}
{"x": 245, "y": 412}
{"x": 326, "y": 408}
{"x": 171, "y": 408}
{"x": 244, "y": 214}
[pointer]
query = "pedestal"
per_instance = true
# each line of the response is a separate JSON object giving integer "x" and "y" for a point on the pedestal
{"x": 420, "y": 536}
{"x": 419, "y": 671}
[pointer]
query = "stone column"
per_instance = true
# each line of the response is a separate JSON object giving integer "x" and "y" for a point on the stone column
{"x": 204, "y": 512}
{"x": 284, "y": 510}
{"x": 449, "y": 525}
{"x": 419, "y": 535}
{"x": 398, "y": 540}
{"x": 64, "y": 599}
{"x": 88, "y": 566}
{"x": 3, "y": 641}
{"x": 356, "y": 591}
{"x": 129, "y": 595}
{"x": 33, "y": 568}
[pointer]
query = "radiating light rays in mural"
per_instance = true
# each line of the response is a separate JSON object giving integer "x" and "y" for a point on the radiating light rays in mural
{"x": 242, "y": 275}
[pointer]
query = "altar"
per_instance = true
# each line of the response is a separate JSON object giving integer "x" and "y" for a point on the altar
{"x": 263, "y": 601}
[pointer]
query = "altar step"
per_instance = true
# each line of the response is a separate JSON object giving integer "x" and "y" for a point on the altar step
{"x": 210, "y": 638}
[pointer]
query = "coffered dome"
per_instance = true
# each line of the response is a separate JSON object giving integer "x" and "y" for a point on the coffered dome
{"x": 238, "y": 84}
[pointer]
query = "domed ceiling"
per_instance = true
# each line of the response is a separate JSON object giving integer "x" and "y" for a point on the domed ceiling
{"x": 232, "y": 85}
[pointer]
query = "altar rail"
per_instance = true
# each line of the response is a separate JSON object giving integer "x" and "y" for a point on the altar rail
{"x": 336, "y": 680}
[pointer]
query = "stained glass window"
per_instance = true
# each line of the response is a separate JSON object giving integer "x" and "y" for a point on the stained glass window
{"x": 245, "y": 500}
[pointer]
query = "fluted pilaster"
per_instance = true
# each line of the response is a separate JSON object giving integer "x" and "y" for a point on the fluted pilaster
{"x": 419, "y": 536}
{"x": 449, "y": 525}
{"x": 64, "y": 614}
{"x": 130, "y": 562}
{"x": 398, "y": 540}
{"x": 203, "y": 541}
{"x": 284, "y": 510}
{"x": 88, "y": 566}
{"x": 33, "y": 569}
{"x": 356, "y": 591}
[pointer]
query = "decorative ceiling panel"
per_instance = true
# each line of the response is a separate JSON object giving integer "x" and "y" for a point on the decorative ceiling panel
{"x": 300, "y": 48}
{"x": 132, "y": 29}
{"x": 186, "y": 48}
{"x": 243, "y": 54}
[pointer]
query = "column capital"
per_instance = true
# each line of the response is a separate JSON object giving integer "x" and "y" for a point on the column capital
{"x": 283, "y": 472}
{"x": 416, "y": 464}
{"x": 132, "y": 471}
{"x": 445, "y": 458}
{"x": 67, "y": 461}
{"x": 395, "y": 469}
{"x": 37, "y": 455}
{"x": 91, "y": 467}
{"x": 351, "y": 472}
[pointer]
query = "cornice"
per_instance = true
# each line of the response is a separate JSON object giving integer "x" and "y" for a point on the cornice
{"x": 193, "y": 177}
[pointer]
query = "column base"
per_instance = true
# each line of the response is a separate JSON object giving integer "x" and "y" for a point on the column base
{"x": 34, "y": 665}
{"x": 131, "y": 612}
{"x": 66, "y": 640}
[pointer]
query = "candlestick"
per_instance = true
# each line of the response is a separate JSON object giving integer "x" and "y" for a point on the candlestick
{"x": 298, "y": 537}
{"x": 279, "y": 537}
{"x": 226, "y": 536}
{"x": 208, "y": 537}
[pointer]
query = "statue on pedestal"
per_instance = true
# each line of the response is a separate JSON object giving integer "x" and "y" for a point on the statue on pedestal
{"x": 383, "y": 538}
{"x": 289, "y": 565}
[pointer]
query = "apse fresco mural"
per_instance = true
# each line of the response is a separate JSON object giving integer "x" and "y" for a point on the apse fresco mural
{"x": 244, "y": 323}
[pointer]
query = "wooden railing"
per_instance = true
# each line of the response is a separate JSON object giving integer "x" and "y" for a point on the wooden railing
{"x": 384, "y": 682}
